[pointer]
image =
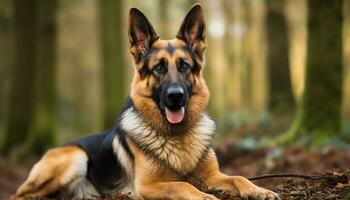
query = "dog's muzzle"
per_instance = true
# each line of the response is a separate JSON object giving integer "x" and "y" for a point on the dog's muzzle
{"x": 175, "y": 104}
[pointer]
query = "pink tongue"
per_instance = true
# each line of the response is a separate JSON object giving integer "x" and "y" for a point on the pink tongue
{"x": 175, "y": 117}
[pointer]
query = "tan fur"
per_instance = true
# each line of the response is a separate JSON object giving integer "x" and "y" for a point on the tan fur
{"x": 58, "y": 167}
{"x": 180, "y": 153}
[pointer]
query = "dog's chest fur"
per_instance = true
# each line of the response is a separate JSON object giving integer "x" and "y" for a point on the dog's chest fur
{"x": 181, "y": 153}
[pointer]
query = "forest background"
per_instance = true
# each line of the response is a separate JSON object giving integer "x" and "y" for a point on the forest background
{"x": 278, "y": 72}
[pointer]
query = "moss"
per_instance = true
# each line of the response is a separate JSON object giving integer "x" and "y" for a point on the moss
{"x": 318, "y": 119}
{"x": 42, "y": 133}
{"x": 21, "y": 91}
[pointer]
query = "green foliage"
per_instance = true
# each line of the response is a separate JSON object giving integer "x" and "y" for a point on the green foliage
{"x": 236, "y": 119}
{"x": 264, "y": 118}
{"x": 248, "y": 143}
{"x": 345, "y": 133}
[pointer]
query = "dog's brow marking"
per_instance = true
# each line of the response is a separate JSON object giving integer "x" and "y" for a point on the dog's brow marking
{"x": 170, "y": 49}
{"x": 180, "y": 157}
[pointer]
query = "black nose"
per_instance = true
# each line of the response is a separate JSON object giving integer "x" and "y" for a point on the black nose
{"x": 175, "y": 93}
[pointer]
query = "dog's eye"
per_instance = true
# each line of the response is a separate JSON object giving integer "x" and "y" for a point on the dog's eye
{"x": 159, "y": 68}
{"x": 184, "y": 67}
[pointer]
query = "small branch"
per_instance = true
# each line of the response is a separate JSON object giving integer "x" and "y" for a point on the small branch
{"x": 332, "y": 179}
{"x": 283, "y": 176}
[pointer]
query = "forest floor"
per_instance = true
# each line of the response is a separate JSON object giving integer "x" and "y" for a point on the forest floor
{"x": 332, "y": 164}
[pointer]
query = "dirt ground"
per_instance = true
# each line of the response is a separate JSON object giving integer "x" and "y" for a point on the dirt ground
{"x": 331, "y": 164}
{"x": 329, "y": 168}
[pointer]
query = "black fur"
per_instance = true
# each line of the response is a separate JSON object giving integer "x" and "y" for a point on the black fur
{"x": 170, "y": 49}
{"x": 104, "y": 169}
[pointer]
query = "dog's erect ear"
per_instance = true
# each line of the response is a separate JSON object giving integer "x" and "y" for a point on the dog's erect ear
{"x": 141, "y": 33}
{"x": 192, "y": 29}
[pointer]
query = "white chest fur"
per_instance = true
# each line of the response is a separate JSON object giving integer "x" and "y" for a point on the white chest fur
{"x": 180, "y": 153}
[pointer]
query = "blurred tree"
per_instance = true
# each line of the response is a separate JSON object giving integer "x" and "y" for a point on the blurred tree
{"x": 296, "y": 19}
{"x": 20, "y": 100}
{"x": 6, "y": 18}
{"x": 44, "y": 124}
{"x": 255, "y": 51}
{"x": 280, "y": 89}
{"x": 233, "y": 15}
{"x": 246, "y": 71}
{"x": 346, "y": 42}
{"x": 318, "y": 120}
{"x": 245, "y": 53}
{"x": 111, "y": 21}
{"x": 164, "y": 19}
{"x": 79, "y": 69}
{"x": 217, "y": 63}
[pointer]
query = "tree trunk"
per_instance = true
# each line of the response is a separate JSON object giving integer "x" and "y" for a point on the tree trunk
{"x": 255, "y": 52}
{"x": 280, "y": 89}
{"x": 217, "y": 65}
{"x": 234, "y": 13}
{"x": 20, "y": 101}
{"x": 6, "y": 58}
{"x": 44, "y": 124}
{"x": 346, "y": 42}
{"x": 318, "y": 120}
{"x": 113, "y": 60}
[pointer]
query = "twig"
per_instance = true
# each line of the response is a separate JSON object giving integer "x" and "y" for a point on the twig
{"x": 283, "y": 175}
{"x": 333, "y": 179}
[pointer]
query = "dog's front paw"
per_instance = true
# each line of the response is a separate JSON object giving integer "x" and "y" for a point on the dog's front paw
{"x": 261, "y": 194}
{"x": 208, "y": 197}
{"x": 268, "y": 195}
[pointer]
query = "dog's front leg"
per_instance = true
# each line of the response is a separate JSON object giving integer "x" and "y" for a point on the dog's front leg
{"x": 152, "y": 181}
{"x": 209, "y": 173}
{"x": 173, "y": 190}
{"x": 240, "y": 186}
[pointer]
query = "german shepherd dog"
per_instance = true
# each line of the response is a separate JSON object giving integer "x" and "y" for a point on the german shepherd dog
{"x": 161, "y": 141}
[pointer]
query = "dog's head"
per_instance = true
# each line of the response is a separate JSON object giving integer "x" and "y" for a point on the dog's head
{"x": 168, "y": 82}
